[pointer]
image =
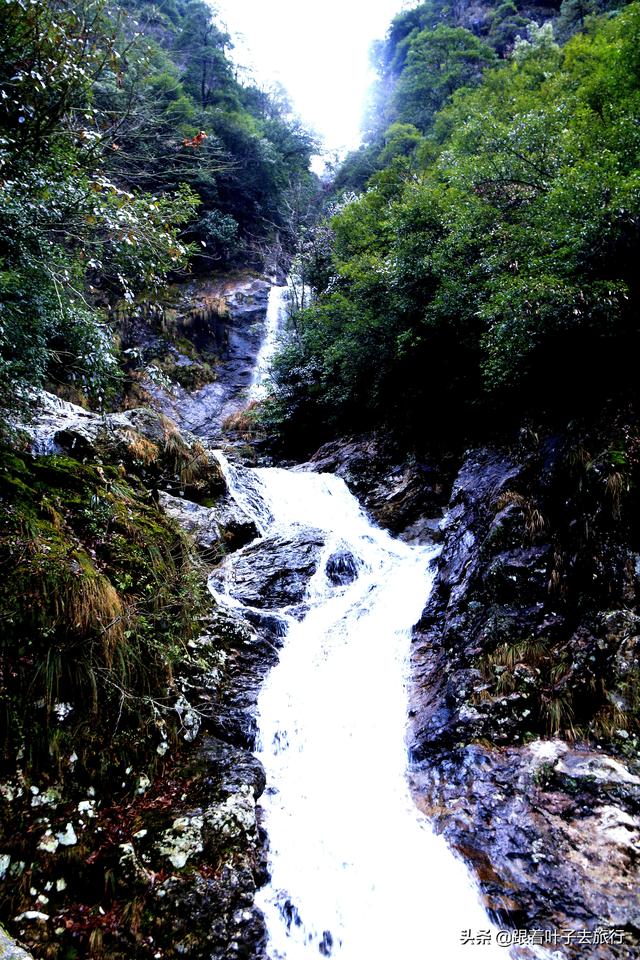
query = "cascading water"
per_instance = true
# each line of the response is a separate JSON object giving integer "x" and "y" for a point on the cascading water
{"x": 356, "y": 871}
{"x": 276, "y": 313}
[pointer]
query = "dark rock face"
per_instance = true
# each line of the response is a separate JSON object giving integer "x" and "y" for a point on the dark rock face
{"x": 214, "y": 529}
{"x": 341, "y": 568}
{"x": 273, "y": 572}
{"x": 528, "y": 634}
{"x": 234, "y": 333}
{"x": 228, "y": 706}
{"x": 405, "y": 497}
{"x": 213, "y": 853}
{"x": 183, "y": 853}
{"x": 550, "y": 849}
{"x": 269, "y": 575}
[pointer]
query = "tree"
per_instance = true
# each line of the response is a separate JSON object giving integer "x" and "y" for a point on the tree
{"x": 496, "y": 275}
{"x": 438, "y": 62}
{"x": 201, "y": 45}
{"x": 573, "y": 14}
{"x": 65, "y": 226}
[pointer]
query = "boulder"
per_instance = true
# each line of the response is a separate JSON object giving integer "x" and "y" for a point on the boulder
{"x": 273, "y": 572}
{"x": 514, "y": 644}
{"x": 215, "y": 530}
{"x": 341, "y": 568}
{"x": 10, "y": 950}
{"x": 405, "y": 495}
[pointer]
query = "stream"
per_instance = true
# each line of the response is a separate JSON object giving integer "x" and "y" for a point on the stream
{"x": 356, "y": 870}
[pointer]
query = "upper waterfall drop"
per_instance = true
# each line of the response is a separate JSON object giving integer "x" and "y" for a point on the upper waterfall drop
{"x": 274, "y": 322}
{"x": 356, "y": 870}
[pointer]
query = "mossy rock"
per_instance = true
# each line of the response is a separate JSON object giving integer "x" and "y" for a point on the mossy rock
{"x": 101, "y": 593}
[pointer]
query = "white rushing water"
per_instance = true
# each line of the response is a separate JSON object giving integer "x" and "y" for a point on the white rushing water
{"x": 356, "y": 871}
{"x": 274, "y": 322}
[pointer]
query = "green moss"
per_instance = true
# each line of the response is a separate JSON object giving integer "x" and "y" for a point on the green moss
{"x": 101, "y": 593}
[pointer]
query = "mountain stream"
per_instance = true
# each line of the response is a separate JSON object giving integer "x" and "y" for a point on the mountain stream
{"x": 356, "y": 871}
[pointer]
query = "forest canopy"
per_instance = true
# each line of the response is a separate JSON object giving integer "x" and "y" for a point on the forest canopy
{"x": 128, "y": 150}
{"x": 486, "y": 265}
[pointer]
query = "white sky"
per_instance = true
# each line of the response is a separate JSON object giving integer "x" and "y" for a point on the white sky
{"x": 318, "y": 50}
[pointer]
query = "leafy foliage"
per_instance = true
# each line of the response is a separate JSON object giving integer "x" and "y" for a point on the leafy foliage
{"x": 66, "y": 226}
{"x": 115, "y": 125}
{"x": 489, "y": 268}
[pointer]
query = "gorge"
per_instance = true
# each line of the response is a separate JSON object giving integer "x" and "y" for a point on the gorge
{"x": 319, "y": 528}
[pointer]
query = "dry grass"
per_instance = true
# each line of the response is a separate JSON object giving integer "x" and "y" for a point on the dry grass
{"x": 559, "y": 715}
{"x": 579, "y": 461}
{"x": 556, "y": 584}
{"x": 535, "y": 522}
{"x": 509, "y": 497}
{"x": 529, "y": 652}
{"x": 243, "y": 422}
{"x": 92, "y": 605}
{"x": 141, "y": 449}
{"x": 136, "y": 395}
{"x": 196, "y": 466}
{"x": 190, "y": 460}
{"x": 608, "y": 720}
{"x": 615, "y": 487}
{"x": 96, "y": 945}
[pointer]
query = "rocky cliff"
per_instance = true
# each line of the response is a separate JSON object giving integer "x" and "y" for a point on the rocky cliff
{"x": 193, "y": 356}
{"x": 525, "y": 669}
{"x": 525, "y": 680}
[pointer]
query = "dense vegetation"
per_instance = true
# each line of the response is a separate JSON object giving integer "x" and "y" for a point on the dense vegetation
{"x": 127, "y": 146}
{"x": 100, "y": 594}
{"x": 488, "y": 269}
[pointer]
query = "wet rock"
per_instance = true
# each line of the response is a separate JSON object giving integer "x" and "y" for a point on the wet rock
{"x": 341, "y": 568}
{"x": 182, "y": 841}
{"x": 274, "y": 572}
{"x": 10, "y": 950}
{"x": 233, "y": 330}
{"x": 200, "y": 522}
{"x": 203, "y": 928}
{"x": 67, "y": 837}
{"x": 232, "y": 769}
{"x": 233, "y": 819}
{"x": 232, "y": 710}
{"x": 404, "y": 495}
{"x": 512, "y": 645}
{"x": 60, "y": 425}
{"x": 147, "y": 442}
{"x": 525, "y": 836}
{"x": 325, "y": 947}
{"x": 224, "y": 684}
{"x": 271, "y": 626}
{"x": 185, "y": 845}
{"x": 215, "y": 530}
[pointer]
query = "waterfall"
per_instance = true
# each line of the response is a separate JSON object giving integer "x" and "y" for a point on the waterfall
{"x": 356, "y": 870}
{"x": 276, "y": 313}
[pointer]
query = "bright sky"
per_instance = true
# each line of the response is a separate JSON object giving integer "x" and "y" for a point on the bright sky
{"x": 318, "y": 50}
